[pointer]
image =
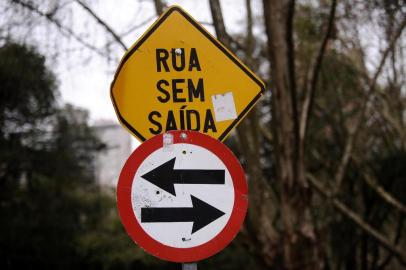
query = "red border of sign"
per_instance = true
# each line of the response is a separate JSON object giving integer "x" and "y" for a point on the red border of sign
{"x": 158, "y": 249}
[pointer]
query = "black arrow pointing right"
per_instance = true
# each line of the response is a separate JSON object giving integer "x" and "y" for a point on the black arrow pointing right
{"x": 201, "y": 214}
{"x": 165, "y": 176}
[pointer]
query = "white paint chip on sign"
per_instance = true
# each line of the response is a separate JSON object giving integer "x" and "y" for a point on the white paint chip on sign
{"x": 224, "y": 107}
{"x": 167, "y": 142}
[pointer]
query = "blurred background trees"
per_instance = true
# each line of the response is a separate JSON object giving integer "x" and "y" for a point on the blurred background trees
{"x": 324, "y": 150}
{"x": 53, "y": 214}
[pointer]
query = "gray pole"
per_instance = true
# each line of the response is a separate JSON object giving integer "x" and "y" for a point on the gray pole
{"x": 189, "y": 266}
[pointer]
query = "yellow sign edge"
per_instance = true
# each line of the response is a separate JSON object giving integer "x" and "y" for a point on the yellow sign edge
{"x": 214, "y": 40}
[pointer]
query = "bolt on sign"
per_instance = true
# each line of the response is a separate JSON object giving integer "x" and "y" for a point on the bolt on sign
{"x": 177, "y": 76}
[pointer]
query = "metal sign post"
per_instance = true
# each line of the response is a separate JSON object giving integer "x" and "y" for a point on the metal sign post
{"x": 189, "y": 266}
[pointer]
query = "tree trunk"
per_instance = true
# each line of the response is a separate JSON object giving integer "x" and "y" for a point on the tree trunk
{"x": 262, "y": 206}
{"x": 159, "y": 6}
{"x": 300, "y": 249}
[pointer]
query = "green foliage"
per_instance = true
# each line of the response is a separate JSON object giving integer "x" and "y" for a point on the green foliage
{"x": 45, "y": 163}
{"x": 27, "y": 93}
{"x": 236, "y": 256}
{"x": 52, "y": 214}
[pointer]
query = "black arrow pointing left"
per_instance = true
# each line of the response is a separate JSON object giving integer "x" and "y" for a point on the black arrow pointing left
{"x": 165, "y": 176}
{"x": 201, "y": 214}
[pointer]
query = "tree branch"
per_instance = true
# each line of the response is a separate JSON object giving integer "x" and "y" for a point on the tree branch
{"x": 339, "y": 175}
{"x": 314, "y": 75}
{"x": 104, "y": 24}
{"x": 371, "y": 88}
{"x": 386, "y": 54}
{"x": 266, "y": 133}
{"x": 392, "y": 121}
{"x": 398, "y": 236}
{"x": 383, "y": 194}
{"x": 250, "y": 35}
{"x": 373, "y": 184}
{"x": 62, "y": 28}
{"x": 159, "y": 6}
{"x": 290, "y": 54}
{"x": 220, "y": 28}
{"x": 218, "y": 22}
{"x": 131, "y": 29}
{"x": 354, "y": 217}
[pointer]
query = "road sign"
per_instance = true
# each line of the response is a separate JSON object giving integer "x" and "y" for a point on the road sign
{"x": 177, "y": 76}
{"x": 182, "y": 196}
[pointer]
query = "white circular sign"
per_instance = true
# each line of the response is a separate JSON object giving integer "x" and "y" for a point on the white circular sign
{"x": 182, "y": 196}
{"x": 188, "y": 157}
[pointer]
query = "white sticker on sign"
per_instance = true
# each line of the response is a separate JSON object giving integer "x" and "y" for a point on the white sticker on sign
{"x": 224, "y": 107}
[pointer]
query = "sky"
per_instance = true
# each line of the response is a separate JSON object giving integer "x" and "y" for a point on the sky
{"x": 84, "y": 77}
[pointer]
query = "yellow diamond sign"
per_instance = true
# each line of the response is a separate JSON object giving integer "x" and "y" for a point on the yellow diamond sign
{"x": 177, "y": 76}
